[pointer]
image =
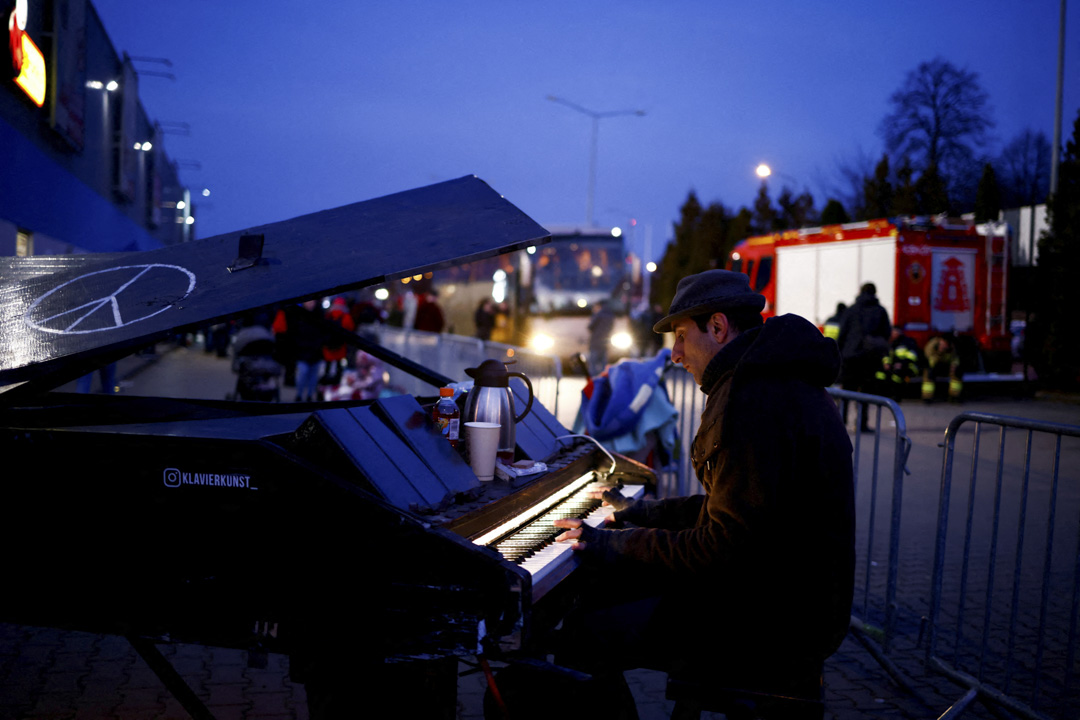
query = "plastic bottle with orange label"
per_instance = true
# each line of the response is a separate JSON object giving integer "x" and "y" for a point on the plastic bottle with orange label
{"x": 447, "y": 416}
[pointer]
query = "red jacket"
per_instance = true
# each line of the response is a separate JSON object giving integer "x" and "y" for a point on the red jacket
{"x": 335, "y": 350}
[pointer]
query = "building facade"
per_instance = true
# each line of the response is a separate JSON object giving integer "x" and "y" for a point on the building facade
{"x": 82, "y": 168}
{"x": 1027, "y": 223}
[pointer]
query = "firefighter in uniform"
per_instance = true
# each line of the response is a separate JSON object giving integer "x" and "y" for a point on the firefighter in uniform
{"x": 832, "y": 325}
{"x": 899, "y": 366}
{"x": 942, "y": 360}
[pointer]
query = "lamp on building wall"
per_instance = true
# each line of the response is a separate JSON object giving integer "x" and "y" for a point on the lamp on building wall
{"x": 106, "y": 88}
{"x": 110, "y": 86}
{"x": 184, "y": 216}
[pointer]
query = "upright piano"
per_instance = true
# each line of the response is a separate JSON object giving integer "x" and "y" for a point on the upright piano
{"x": 349, "y": 536}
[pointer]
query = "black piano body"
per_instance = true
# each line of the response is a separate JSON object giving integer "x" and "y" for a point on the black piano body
{"x": 341, "y": 534}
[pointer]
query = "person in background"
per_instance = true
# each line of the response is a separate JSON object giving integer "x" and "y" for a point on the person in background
{"x": 365, "y": 312}
{"x": 409, "y": 305}
{"x": 899, "y": 366}
{"x": 334, "y": 350}
{"x": 284, "y": 347}
{"x": 429, "y": 316}
{"x": 303, "y": 325}
{"x": 643, "y": 320}
{"x": 767, "y": 554}
{"x": 217, "y": 338}
{"x": 484, "y": 319}
{"x": 832, "y": 325}
{"x": 107, "y": 374}
{"x": 942, "y": 361}
{"x": 601, "y": 324}
{"x": 864, "y": 340}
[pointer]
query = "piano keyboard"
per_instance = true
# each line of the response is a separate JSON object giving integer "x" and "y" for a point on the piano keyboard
{"x": 533, "y": 546}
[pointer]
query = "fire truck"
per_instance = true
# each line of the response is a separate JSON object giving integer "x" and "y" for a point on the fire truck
{"x": 933, "y": 275}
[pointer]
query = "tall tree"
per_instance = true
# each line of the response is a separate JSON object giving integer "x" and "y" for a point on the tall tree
{"x": 678, "y": 254}
{"x": 1055, "y": 340}
{"x": 765, "y": 215}
{"x": 988, "y": 198}
{"x": 710, "y": 239}
{"x": 704, "y": 238}
{"x": 834, "y": 213}
{"x": 878, "y": 192}
{"x": 940, "y": 117}
{"x": 905, "y": 199}
{"x": 1024, "y": 169}
{"x": 796, "y": 211}
{"x": 741, "y": 227}
{"x": 932, "y": 194}
{"x": 852, "y": 172}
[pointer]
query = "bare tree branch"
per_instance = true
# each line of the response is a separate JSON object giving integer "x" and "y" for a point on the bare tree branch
{"x": 940, "y": 116}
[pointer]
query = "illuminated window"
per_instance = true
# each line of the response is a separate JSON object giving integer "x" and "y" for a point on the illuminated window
{"x": 24, "y": 244}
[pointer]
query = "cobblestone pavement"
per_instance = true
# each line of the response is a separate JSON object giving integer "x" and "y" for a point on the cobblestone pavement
{"x": 53, "y": 674}
{"x": 48, "y": 674}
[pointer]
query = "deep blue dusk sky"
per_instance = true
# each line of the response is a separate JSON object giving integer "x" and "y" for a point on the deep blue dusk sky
{"x": 296, "y": 107}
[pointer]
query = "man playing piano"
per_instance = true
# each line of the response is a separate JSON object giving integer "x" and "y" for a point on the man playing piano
{"x": 750, "y": 584}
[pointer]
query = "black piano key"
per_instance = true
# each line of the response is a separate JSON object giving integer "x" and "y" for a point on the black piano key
{"x": 523, "y": 543}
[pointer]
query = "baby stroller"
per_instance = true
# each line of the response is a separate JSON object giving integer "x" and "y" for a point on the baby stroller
{"x": 627, "y": 409}
{"x": 257, "y": 372}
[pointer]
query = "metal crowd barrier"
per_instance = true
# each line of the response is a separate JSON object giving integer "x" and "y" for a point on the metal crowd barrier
{"x": 1004, "y": 606}
{"x": 879, "y": 493}
{"x": 451, "y": 354}
{"x": 678, "y": 479}
{"x": 879, "y": 464}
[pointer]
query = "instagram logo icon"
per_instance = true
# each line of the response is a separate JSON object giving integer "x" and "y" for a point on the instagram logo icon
{"x": 172, "y": 477}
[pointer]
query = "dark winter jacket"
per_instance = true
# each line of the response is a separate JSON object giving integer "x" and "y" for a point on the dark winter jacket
{"x": 864, "y": 330}
{"x": 304, "y": 332}
{"x": 767, "y": 553}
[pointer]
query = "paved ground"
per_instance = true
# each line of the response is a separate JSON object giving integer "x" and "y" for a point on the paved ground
{"x": 52, "y": 674}
{"x": 48, "y": 674}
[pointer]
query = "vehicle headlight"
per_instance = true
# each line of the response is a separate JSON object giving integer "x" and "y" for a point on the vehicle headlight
{"x": 542, "y": 342}
{"x": 622, "y": 340}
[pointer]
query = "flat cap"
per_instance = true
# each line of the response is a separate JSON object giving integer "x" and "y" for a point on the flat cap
{"x": 708, "y": 292}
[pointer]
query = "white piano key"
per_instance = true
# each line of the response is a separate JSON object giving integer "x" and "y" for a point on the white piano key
{"x": 557, "y": 557}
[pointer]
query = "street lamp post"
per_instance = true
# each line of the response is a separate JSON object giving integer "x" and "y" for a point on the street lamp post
{"x": 1054, "y": 148}
{"x": 764, "y": 171}
{"x": 596, "y": 117}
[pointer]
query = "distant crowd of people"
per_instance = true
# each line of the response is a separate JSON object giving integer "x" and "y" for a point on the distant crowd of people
{"x": 294, "y": 345}
{"x": 281, "y": 346}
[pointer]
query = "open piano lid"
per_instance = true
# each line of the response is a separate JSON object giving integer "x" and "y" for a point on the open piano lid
{"x": 62, "y": 316}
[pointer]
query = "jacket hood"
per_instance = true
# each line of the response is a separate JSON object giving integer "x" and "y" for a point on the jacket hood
{"x": 790, "y": 346}
{"x": 867, "y": 299}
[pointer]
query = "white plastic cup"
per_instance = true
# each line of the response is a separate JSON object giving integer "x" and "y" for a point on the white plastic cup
{"x": 483, "y": 441}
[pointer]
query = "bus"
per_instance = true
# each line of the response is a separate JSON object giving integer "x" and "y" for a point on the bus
{"x": 564, "y": 283}
{"x": 546, "y": 294}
